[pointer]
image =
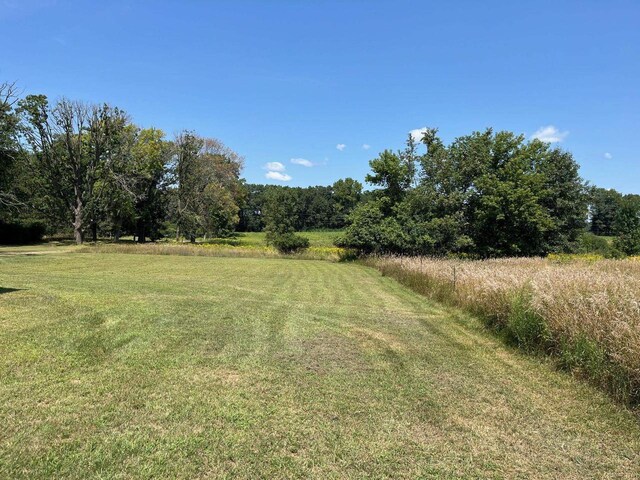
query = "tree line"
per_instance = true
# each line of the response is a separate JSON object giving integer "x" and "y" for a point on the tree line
{"x": 87, "y": 169}
{"x": 308, "y": 208}
{"x": 487, "y": 194}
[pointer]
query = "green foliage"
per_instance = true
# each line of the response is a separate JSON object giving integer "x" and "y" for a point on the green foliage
{"x": 9, "y": 148}
{"x": 488, "y": 194}
{"x": 603, "y": 206}
{"x": 310, "y": 208}
{"x": 347, "y": 193}
{"x": 371, "y": 231}
{"x": 590, "y": 243}
{"x": 627, "y": 225}
{"x": 73, "y": 145}
{"x": 280, "y": 211}
{"x": 289, "y": 242}
{"x": 209, "y": 191}
{"x": 20, "y": 233}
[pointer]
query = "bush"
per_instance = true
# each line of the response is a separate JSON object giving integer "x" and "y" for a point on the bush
{"x": 590, "y": 243}
{"x": 628, "y": 243}
{"x": 289, "y": 242}
{"x": 21, "y": 233}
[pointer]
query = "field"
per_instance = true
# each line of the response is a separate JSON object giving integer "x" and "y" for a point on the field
{"x": 250, "y": 244}
{"x": 582, "y": 309}
{"x": 148, "y": 366}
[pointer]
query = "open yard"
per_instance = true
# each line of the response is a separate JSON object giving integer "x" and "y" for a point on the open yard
{"x": 148, "y": 366}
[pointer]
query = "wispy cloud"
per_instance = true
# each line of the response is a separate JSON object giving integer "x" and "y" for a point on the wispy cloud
{"x": 274, "y": 166}
{"x": 366, "y": 146}
{"x": 608, "y": 156}
{"x": 302, "y": 161}
{"x": 417, "y": 134}
{"x": 550, "y": 134}
{"x": 341, "y": 146}
{"x": 282, "y": 177}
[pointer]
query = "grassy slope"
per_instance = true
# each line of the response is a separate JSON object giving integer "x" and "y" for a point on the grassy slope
{"x": 161, "y": 366}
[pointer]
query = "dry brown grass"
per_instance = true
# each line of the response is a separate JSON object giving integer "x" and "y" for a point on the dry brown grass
{"x": 586, "y": 312}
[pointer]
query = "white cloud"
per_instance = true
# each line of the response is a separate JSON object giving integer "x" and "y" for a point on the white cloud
{"x": 550, "y": 134}
{"x": 302, "y": 161}
{"x": 282, "y": 177}
{"x": 274, "y": 166}
{"x": 417, "y": 134}
{"x": 366, "y": 146}
{"x": 341, "y": 146}
{"x": 608, "y": 156}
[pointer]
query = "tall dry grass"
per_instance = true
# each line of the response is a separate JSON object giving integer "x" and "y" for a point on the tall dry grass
{"x": 213, "y": 250}
{"x": 585, "y": 312}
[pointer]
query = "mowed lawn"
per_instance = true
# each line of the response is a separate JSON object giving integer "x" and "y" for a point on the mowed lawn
{"x": 142, "y": 366}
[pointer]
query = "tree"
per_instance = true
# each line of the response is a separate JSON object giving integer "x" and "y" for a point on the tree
{"x": 489, "y": 194}
{"x": 72, "y": 144}
{"x": 280, "y": 212}
{"x": 151, "y": 155}
{"x": 253, "y": 198}
{"x": 627, "y": 225}
{"x": 392, "y": 173}
{"x": 10, "y": 151}
{"x": 209, "y": 191}
{"x": 603, "y": 206}
{"x": 347, "y": 193}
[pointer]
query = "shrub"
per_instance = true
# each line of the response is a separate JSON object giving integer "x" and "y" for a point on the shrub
{"x": 629, "y": 243}
{"x": 21, "y": 233}
{"x": 590, "y": 243}
{"x": 289, "y": 242}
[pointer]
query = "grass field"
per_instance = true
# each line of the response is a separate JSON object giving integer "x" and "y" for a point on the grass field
{"x": 317, "y": 238}
{"x": 583, "y": 309}
{"x": 146, "y": 366}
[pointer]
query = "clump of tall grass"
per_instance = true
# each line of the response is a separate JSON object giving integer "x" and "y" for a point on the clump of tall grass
{"x": 585, "y": 311}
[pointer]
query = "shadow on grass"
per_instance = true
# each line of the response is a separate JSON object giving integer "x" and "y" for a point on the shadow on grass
{"x": 9, "y": 290}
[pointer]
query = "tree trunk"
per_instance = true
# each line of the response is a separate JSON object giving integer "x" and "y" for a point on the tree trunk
{"x": 77, "y": 223}
{"x": 94, "y": 231}
{"x": 141, "y": 232}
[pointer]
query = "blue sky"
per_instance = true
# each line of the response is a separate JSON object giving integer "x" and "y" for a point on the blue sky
{"x": 322, "y": 81}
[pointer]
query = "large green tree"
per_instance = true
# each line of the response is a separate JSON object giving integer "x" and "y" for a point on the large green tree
{"x": 10, "y": 152}
{"x": 489, "y": 194}
{"x": 347, "y": 193}
{"x": 603, "y": 206}
{"x": 627, "y": 225}
{"x": 209, "y": 192}
{"x": 72, "y": 144}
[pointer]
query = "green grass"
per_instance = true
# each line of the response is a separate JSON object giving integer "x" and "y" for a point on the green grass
{"x": 145, "y": 366}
